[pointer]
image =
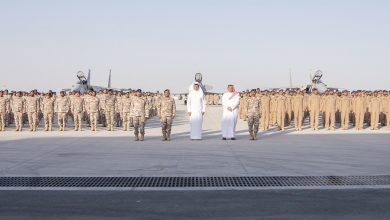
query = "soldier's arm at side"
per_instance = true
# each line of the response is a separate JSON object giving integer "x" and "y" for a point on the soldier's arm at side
{"x": 173, "y": 108}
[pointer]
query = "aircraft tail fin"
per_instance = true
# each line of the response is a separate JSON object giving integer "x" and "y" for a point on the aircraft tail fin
{"x": 89, "y": 77}
{"x": 109, "y": 80}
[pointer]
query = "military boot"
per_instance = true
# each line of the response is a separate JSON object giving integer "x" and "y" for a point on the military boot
{"x": 142, "y": 137}
{"x": 251, "y": 136}
{"x": 136, "y": 138}
{"x": 164, "y": 136}
{"x": 255, "y": 136}
{"x": 168, "y": 136}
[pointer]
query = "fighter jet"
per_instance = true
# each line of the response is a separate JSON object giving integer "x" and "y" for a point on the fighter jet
{"x": 84, "y": 83}
{"x": 199, "y": 79}
{"x": 317, "y": 83}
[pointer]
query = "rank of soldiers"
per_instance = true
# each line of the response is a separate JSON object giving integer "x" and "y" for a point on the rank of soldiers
{"x": 122, "y": 109}
{"x": 282, "y": 108}
{"x": 262, "y": 109}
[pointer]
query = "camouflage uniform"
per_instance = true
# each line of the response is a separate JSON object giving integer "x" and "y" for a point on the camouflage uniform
{"x": 345, "y": 109}
{"x": 265, "y": 101}
{"x": 9, "y": 115}
{"x": 102, "y": 114}
{"x": 359, "y": 106}
{"x": 298, "y": 107}
{"x": 216, "y": 99}
{"x": 61, "y": 107}
{"x": 314, "y": 105}
{"x": 374, "y": 109}
{"x": 47, "y": 107}
{"x": 281, "y": 111}
{"x": 86, "y": 112}
{"x": 253, "y": 114}
{"x": 118, "y": 112}
{"x": 93, "y": 107}
{"x": 70, "y": 112}
{"x": 32, "y": 105}
{"x": 140, "y": 110}
{"x": 166, "y": 110}
{"x": 77, "y": 109}
{"x": 4, "y": 109}
{"x": 330, "y": 111}
{"x": 126, "y": 102}
{"x": 110, "y": 111}
{"x": 18, "y": 108}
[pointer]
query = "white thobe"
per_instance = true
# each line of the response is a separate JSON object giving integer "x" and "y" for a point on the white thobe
{"x": 229, "y": 118}
{"x": 196, "y": 105}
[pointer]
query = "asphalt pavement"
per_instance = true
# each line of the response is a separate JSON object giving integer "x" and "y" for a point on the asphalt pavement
{"x": 354, "y": 204}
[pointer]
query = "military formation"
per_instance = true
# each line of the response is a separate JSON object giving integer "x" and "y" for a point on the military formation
{"x": 128, "y": 110}
{"x": 264, "y": 109}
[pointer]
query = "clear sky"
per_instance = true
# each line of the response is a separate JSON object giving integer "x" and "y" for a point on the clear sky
{"x": 162, "y": 44}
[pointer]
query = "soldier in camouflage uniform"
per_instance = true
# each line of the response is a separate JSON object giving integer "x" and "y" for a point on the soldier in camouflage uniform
{"x": 61, "y": 107}
{"x": 93, "y": 107}
{"x": 126, "y": 102}
{"x": 4, "y": 110}
{"x": 102, "y": 101}
{"x": 253, "y": 114}
{"x": 166, "y": 111}
{"x": 77, "y": 108}
{"x": 32, "y": 107}
{"x": 345, "y": 105}
{"x": 118, "y": 108}
{"x": 9, "y": 115}
{"x": 298, "y": 108}
{"x": 131, "y": 122}
{"x": 47, "y": 108}
{"x": 70, "y": 114}
{"x": 280, "y": 103}
{"x": 110, "y": 104}
{"x": 329, "y": 107}
{"x": 18, "y": 108}
{"x": 216, "y": 99}
{"x": 140, "y": 109}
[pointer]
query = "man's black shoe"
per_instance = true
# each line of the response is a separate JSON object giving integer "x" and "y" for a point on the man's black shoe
{"x": 224, "y": 139}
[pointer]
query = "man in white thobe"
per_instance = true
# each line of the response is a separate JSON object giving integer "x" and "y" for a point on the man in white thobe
{"x": 230, "y": 103}
{"x": 196, "y": 107}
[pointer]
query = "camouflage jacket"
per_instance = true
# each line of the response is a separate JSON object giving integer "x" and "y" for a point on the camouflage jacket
{"x": 93, "y": 105}
{"x": 139, "y": 107}
{"x": 109, "y": 103}
{"x": 61, "y": 104}
{"x": 18, "y": 104}
{"x": 4, "y": 105}
{"x": 77, "y": 105}
{"x": 166, "y": 107}
{"x": 252, "y": 106}
{"x": 47, "y": 105}
{"x": 32, "y": 104}
{"x": 126, "y": 102}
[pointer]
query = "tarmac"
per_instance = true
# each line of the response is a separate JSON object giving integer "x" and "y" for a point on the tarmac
{"x": 103, "y": 153}
{"x": 115, "y": 154}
